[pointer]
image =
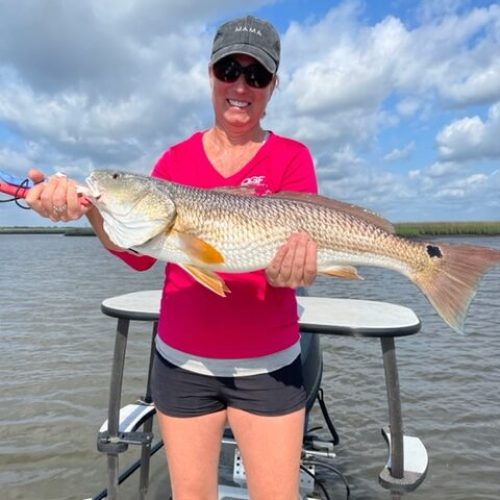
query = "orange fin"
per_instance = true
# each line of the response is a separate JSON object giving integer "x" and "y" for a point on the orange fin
{"x": 208, "y": 279}
{"x": 354, "y": 210}
{"x": 346, "y": 272}
{"x": 199, "y": 249}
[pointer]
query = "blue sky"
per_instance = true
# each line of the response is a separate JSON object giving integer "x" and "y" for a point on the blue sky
{"x": 399, "y": 101}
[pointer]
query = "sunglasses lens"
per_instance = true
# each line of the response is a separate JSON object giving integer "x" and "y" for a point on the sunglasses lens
{"x": 257, "y": 76}
{"x": 229, "y": 70}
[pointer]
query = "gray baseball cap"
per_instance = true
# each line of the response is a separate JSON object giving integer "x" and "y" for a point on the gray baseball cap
{"x": 251, "y": 36}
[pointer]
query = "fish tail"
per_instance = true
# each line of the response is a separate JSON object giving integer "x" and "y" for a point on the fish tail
{"x": 452, "y": 278}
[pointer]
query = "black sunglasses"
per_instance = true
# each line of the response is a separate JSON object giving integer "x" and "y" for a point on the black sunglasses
{"x": 229, "y": 70}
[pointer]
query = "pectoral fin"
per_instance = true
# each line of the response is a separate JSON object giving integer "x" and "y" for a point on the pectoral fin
{"x": 199, "y": 249}
{"x": 346, "y": 272}
{"x": 208, "y": 279}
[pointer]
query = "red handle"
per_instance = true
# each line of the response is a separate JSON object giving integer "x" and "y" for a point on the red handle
{"x": 20, "y": 192}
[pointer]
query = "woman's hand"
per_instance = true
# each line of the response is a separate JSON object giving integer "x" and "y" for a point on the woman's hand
{"x": 295, "y": 263}
{"x": 56, "y": 198}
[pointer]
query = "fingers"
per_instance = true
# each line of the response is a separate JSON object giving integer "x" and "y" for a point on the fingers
{"x": 36, "y": 176}
{"x": 37, "y": 197}
{"x": 75, "y": 208}
{"x": 59, "y": 195}
{"x": 295, "y": 263}
{"x": 310, "y": 269}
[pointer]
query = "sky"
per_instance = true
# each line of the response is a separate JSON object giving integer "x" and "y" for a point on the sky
{"x": 398, "y": 100}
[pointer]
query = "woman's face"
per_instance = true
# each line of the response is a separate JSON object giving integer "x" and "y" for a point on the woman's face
{"x": 237, "y": 104}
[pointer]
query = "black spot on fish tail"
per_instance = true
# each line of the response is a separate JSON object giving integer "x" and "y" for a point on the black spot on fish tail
{"x": 434, "y": 251}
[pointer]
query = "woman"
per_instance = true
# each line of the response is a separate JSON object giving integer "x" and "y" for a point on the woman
{"x": 233, "y": 360}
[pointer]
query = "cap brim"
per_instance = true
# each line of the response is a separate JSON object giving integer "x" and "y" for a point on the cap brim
{"x": 250, "y": 50}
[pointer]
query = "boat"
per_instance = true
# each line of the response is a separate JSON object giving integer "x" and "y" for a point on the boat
{"x": 131, "y": 425}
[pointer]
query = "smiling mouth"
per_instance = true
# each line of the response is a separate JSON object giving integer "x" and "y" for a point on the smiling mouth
{"x": 238, "y": 104}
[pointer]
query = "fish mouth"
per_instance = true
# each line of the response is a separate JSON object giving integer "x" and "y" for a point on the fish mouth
{"x": 92, "y": 190}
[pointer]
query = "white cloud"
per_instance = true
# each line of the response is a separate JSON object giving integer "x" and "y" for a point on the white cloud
{"x": 482, "y": 85}
{"x": 457, "y": 191}
{"x": 350, "y": 70}
{"x": 337, "y": 66}
{"x": 460, "y": 188}
{"x": 442, "y": 169}
{"x": 471, "y": 137}
{"x": 429, "y": 10}
{"x": 401, "y": 154}
{"x": 408, "y": 106}
{"x": 455, "y": 55}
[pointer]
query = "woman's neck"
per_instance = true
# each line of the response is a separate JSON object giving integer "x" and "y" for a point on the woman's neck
{"x": 229, "y": 153}
{"x": 234, "y": 138}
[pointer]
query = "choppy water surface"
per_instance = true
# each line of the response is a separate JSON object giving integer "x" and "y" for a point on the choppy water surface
{"x": 55, "y": 358}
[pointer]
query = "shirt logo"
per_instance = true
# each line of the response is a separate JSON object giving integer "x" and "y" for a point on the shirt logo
{"x": 258, "y": 183}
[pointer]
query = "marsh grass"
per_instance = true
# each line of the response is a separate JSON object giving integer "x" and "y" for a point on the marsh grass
{"x": 475, "y": 228}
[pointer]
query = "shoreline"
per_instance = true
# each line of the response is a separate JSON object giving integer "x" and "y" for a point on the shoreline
{"x": 405, "y": 229}
{"x": 66, "y": 231}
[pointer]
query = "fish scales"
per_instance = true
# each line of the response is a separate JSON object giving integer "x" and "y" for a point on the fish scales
{"x": 261, "y": 225}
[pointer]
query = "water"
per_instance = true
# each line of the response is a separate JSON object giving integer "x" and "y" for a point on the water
{"x": 56, "y": 349}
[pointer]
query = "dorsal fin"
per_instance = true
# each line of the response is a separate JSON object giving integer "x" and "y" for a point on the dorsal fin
{"x": 354, "y": 210}
{"x": 241, "y": 190}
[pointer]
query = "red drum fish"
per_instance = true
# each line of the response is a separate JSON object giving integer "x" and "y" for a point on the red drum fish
{"x": 230, "y": 230}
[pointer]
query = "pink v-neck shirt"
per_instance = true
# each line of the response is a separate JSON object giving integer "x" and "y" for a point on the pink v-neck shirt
{"x": 255, "y": 319}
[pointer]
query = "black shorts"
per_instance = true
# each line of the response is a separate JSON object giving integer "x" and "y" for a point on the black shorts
{"x": 181, "y": 393}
